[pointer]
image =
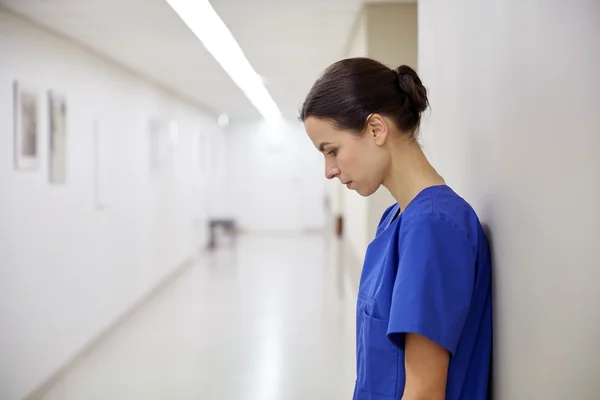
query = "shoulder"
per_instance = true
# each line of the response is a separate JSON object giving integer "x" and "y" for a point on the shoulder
{"x": 442, "y": 214}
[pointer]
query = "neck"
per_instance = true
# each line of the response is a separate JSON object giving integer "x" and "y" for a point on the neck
{"x": 410, "y": 172}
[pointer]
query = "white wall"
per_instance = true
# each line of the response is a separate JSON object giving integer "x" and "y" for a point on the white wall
{"x": 515, "y": 128}
{"x": 276, "y": 177}
{"x": 68, "y": 269}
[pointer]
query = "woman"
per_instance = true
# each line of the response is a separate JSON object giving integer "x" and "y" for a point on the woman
{"x": 424, "y": 309}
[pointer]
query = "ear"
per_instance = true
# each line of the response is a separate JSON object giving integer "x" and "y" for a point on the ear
{"x": 377, "y": 128}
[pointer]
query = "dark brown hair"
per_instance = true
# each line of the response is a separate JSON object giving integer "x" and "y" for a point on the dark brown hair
{"x": 350, "y": 90}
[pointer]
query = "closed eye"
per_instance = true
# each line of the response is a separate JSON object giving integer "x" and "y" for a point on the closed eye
{"x": 332, "y": 152}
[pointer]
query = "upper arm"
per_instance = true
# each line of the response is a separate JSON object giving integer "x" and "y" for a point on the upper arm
{"x": 434, "y": 283}
{"x": 426, "y": 365}
{"x": 431, "y": 299}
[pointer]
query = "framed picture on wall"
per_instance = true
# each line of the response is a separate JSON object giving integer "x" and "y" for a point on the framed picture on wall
{"x": 162, "y": 138}
{"x": 57, "y": 111}
{"x": 26, "y": 126}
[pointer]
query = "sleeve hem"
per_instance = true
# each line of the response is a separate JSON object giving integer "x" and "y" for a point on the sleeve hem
{"x": 397, "y": 337}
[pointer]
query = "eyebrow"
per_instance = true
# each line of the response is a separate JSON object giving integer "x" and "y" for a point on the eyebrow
{"x": 322, "y": 146}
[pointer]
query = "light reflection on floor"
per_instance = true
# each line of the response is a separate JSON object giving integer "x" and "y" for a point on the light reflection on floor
{"x": 269, "y": 319}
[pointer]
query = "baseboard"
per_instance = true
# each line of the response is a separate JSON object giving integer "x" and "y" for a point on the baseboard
{"x": 317, "y": 230}
{"x": 39, "y": 392}
{"x": 280, "y": 233}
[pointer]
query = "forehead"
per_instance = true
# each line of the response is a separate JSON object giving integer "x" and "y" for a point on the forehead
{"x": 319, "y": 130}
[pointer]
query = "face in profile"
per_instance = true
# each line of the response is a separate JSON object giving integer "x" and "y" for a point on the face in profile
{"x": 359, "y": 161}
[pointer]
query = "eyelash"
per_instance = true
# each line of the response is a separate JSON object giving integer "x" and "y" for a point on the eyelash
{"x": 332, "y": 152}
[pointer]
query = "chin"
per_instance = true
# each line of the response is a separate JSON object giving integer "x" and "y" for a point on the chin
{"x": 365, "y": 193}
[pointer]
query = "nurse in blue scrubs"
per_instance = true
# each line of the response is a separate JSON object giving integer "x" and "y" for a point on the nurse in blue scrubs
{"x": 424, "y": 309}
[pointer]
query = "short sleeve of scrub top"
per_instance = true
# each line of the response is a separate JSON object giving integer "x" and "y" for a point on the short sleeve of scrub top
{"x": 434, "y": 282}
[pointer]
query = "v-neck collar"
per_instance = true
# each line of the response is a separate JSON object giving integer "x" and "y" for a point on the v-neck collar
{"x": 397, "y": 211}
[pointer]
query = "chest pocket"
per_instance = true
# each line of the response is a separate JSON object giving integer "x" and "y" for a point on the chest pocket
{"x": 377, "y": 358}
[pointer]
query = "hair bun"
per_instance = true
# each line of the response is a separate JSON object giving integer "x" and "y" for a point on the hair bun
{"x": 410, "y": 83}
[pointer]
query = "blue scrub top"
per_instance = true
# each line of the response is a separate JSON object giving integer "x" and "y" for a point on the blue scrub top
{"x": 428, "y": 271}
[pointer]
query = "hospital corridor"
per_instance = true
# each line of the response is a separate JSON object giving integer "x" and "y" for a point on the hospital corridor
{"x": 244, "y": 322}
{"x": 299, "y": 200}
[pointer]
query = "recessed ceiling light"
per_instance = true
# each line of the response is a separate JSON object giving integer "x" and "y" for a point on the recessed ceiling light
{"x": 223, "y": 120}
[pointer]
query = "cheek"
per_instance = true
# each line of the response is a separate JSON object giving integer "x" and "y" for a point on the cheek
{"x": 359, "y": 166}
{"x": 346, "y": 163}
{"x": 353, "y": 161}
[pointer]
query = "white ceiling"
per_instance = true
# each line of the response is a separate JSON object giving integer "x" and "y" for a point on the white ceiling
{"x": 288, "y": 42}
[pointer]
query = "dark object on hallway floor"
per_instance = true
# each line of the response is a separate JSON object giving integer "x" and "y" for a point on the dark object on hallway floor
{"x": 228, "y": 224}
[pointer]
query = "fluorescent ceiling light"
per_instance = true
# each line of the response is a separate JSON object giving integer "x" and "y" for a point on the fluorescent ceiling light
{"x": 206, "y": 24}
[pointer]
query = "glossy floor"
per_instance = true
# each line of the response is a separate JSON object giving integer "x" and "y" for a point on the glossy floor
{"x": 270, "y": 319}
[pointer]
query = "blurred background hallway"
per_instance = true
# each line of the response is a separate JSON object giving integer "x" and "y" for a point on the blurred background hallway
{"x": 243, "y": 323}
{"x": 166, "y": 230}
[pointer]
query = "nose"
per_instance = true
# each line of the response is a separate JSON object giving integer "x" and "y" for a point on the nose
{"x": 331, "y": 171}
